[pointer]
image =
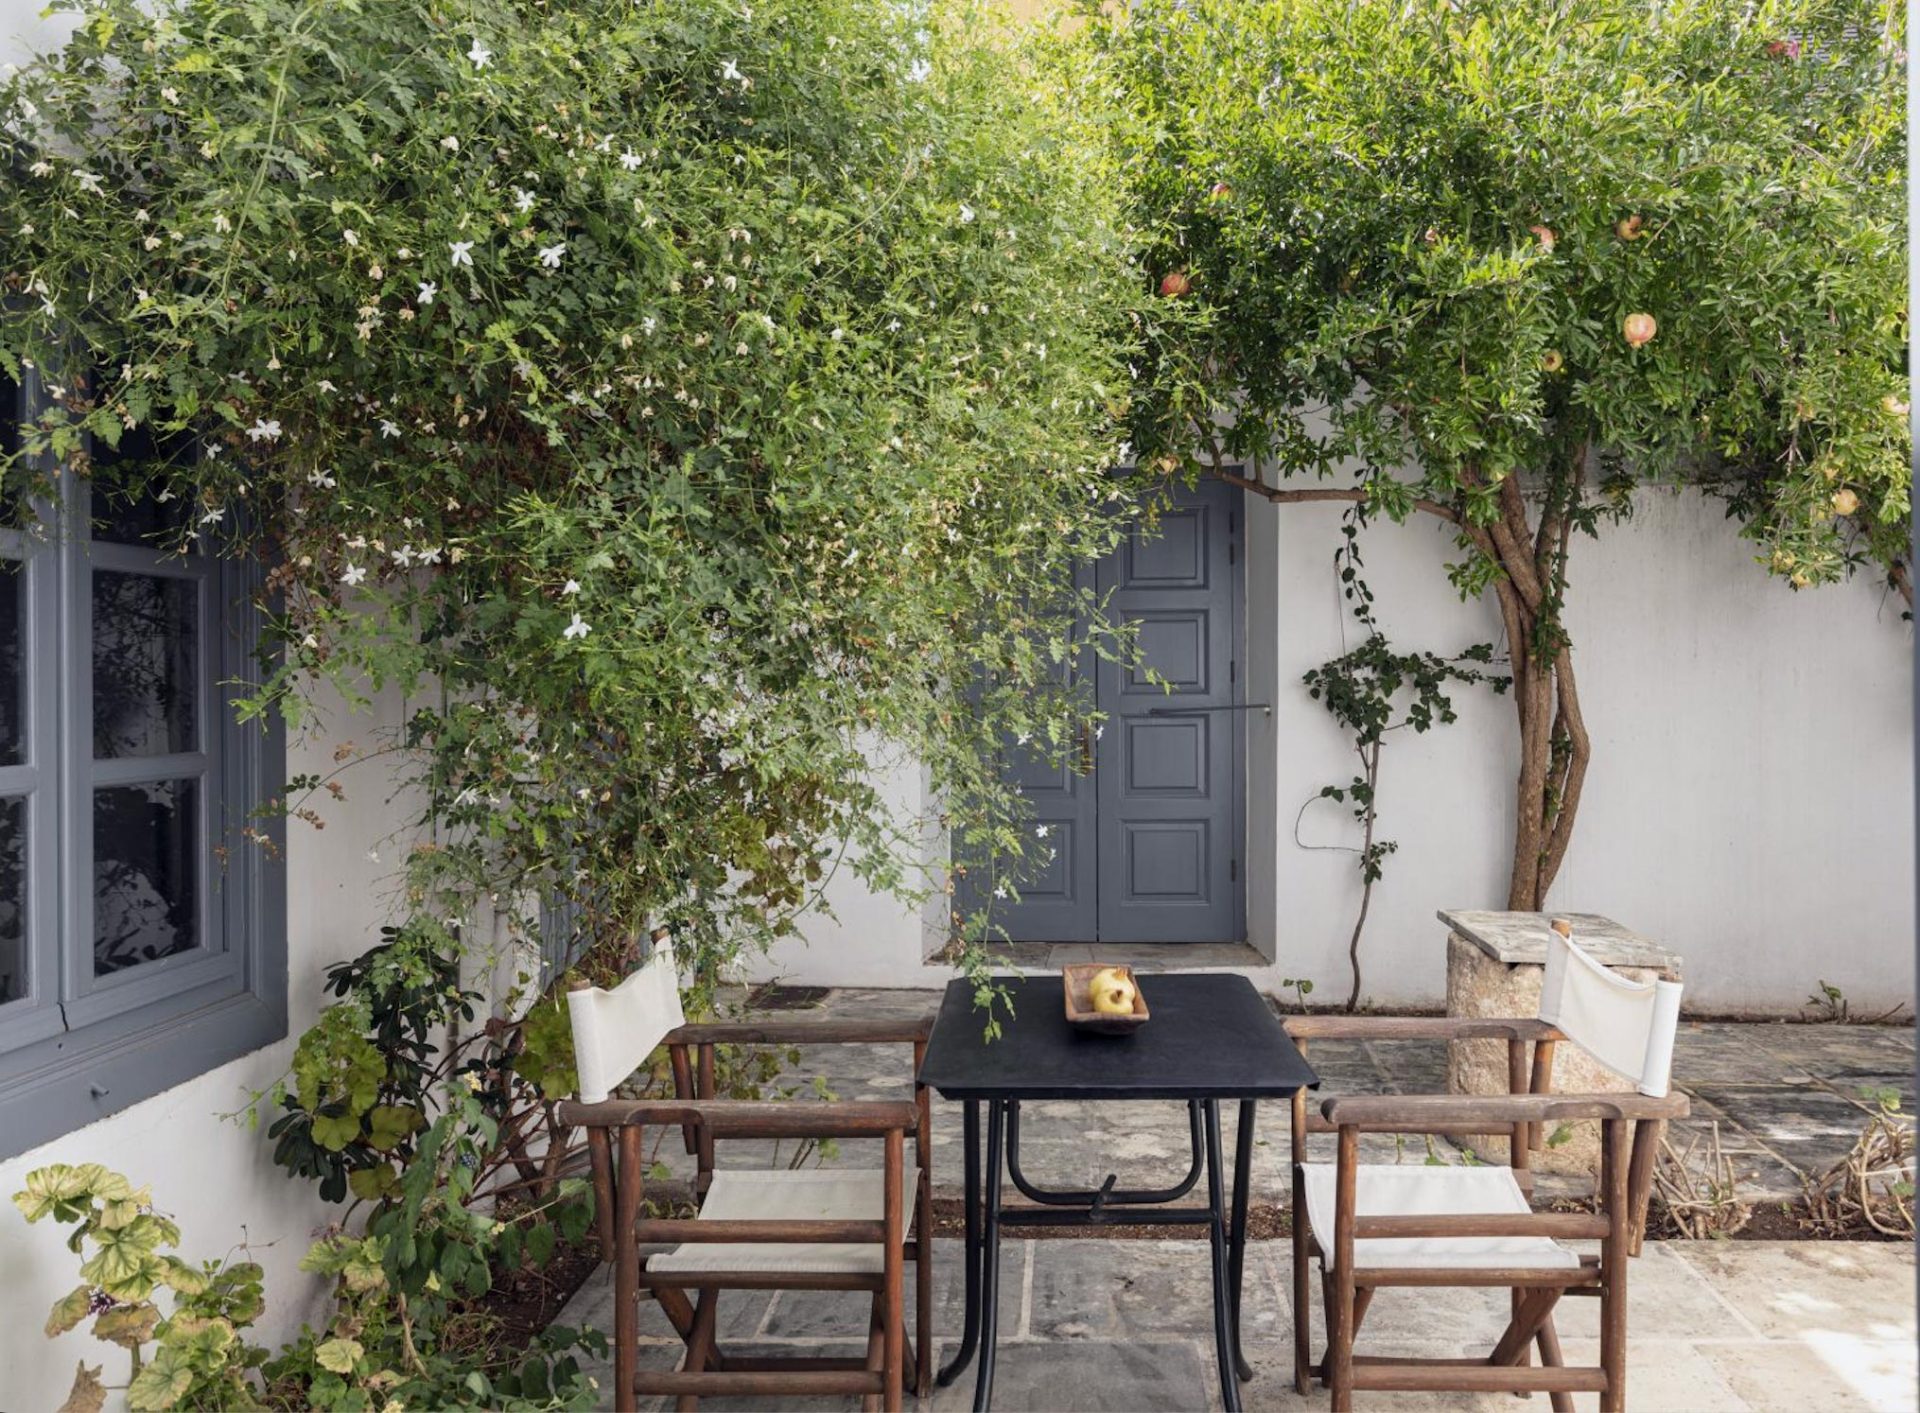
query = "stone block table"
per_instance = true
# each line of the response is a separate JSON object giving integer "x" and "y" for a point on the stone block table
{"x": 1496, "y": 962}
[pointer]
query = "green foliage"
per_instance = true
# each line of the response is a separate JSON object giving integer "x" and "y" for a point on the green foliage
{"x": 199, "y": 1358}
{"x": 695, "y": 393}
{"x": 1418, "y": 236}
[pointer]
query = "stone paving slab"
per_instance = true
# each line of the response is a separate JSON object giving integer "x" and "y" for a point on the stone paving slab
{"x": 1125, "y": 1327}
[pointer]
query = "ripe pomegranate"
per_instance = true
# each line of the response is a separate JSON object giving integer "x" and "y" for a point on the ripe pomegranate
{"x": 1638, "y": 329}
{"x": 1175, "y": 284}
{"x": 1628, "y": 228}
{"x": 1784, "y": 49}
{"x": 1545, "y": 236}
{"x": 1553, "y": 362}
{"x": 1220, "y": 191}
{"x": 1845, "y": 502}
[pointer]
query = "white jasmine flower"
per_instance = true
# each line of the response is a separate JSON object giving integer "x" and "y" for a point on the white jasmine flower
{"x": 648, "y": 324}
{"x": 354, "y": 575}
{"x": 326, "y": 385}
{"x": 321, "y": 479}
{"x": 41, "y": 169}
{"x": 89, "y": 181}
{"x": 428, "y": 289}
{"x": 479, "y": 54}
{"x": 351, "y": 237}
{"x": 170, "y": 94}
{"x": 1000, "y": 890}
{"x": 151, "y": 243}
{"x": 1042, "y": 831}
{"x": 966, "y": 214}
{"x": 221, "y": 223}
{"x": 263, "y": 431}
{"x": 550, "y": 254}
{"x": 837, "y": 335}
{"x": 450, "y": 142}
{"x": 631, "y": 160}
{"x": 389, "y": 428}
{"x": 579, "y": 628}
{"x": 730, "y": 73}
{"x": 462, "y": 252}
{"x": 572, "y": 586}
{"x": 212, "y": 515}
{"x": 920, "y": 71}
{"x": 523, "y": 200}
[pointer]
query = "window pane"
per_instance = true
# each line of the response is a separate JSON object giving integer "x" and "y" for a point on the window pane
{"x": 145, "y": 657}
{"x": 13, "y": 663}
{"x": 13, "y": 899}
{"x": 146, "y": 856}
{"x": 127, "y": 485}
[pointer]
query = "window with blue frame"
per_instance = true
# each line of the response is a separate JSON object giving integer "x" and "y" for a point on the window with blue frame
{"x": 142, "y": 920}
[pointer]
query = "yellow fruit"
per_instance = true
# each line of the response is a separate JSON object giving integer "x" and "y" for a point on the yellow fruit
{"x": 1111, "y": 992}
{"x": 1638, "y": 329}
{"x": 1628, "y": 228}
{"x": 1845, "y": 502}
{"x": 1552, "y": 362}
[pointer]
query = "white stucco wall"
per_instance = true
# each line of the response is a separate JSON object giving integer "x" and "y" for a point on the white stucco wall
{"x": 1749, "y": 802}
{"x": 214, "y": 1176}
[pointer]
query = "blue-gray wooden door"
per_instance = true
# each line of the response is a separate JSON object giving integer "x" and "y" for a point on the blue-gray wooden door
{"x": 1146, "y": 847}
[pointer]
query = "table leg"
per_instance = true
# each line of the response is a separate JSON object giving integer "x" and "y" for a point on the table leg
{"x": 1237, "y": 1235}
{"x": 1223, "y": 1334}
{"x": 990, "y": 1257}
{"x": 970, "y": 1249}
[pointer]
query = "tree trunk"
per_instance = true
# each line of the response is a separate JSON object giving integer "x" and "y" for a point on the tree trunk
{"x": 1531, "y": 554}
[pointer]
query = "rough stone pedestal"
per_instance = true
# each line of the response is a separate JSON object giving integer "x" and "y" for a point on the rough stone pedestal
{"x": 1496, "y": 962}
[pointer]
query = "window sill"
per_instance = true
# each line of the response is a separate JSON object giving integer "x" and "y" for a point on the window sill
{"x": 59, "y": 1085}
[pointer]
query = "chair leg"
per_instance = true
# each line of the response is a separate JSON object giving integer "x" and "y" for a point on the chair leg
{"x": 923, "y": 1297}
{"x": 1362, "y": 1298}
{"x": 1302, "y": 1292}
{"x": 876, "y": 1350}
{"x": 1548, "y": 1339}
{"x": 704, "y": 1316}
{"x": 1613, "y": 1265}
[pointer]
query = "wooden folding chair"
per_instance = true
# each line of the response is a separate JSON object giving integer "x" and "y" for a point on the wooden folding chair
{"x": 1377, "y": 1225}
{"x": 757, "y": 1229}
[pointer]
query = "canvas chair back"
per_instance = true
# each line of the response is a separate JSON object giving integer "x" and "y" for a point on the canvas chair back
{"x": 1628, "y": 1026}
{"x": 614, "y": 1031}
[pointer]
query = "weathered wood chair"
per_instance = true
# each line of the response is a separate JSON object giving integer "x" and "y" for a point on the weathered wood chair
{"x": 1376, "y": 1225}
{"x": 757, "y": 1229}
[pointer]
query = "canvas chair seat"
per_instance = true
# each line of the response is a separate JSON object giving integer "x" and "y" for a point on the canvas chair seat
{"x": 1408, "y": 1190}
{"x": 780, "y": 1195}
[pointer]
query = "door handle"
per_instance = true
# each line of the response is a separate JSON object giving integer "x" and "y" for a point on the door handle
{"x": 1086, "y": 749}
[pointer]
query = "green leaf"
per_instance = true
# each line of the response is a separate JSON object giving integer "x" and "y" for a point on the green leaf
{"x": 161, "y": 1384}
{"x": 339, "y": 1355}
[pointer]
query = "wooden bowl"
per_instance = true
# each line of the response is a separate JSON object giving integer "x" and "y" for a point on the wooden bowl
{"x": 1074, "y": 982}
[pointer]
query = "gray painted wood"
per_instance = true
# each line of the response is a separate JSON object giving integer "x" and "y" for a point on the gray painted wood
{"x": 1147, "y": 846}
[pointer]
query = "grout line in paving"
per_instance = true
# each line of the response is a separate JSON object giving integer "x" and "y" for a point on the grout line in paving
{"x": 1752, "y": 1329}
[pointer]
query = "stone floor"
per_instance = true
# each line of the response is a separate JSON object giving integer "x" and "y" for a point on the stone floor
{"x": 1123, "y": 1327}
{"x": 1102, "y": 1324}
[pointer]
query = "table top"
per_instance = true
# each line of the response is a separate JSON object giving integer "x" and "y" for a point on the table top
{"x": 1210, "y": 1036}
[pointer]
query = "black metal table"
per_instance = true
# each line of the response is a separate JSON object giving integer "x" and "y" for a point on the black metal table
{"x": 1211, "y": 1037}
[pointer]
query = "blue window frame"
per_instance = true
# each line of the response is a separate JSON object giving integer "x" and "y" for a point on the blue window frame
{"x": 142, "y": 932}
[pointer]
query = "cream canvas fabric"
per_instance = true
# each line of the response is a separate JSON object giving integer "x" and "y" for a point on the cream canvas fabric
{"x": 778, "y": 1194}
{"x": 1409, "y": 1190}
{"x": 613, "y": 1031}
{"x": 1628, "y": 1026}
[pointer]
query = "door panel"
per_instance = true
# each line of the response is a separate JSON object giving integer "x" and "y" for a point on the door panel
{"x": 1145, "y": 847}
{"x": 1168, "y": 761}
{"x": 1057, "y": 895}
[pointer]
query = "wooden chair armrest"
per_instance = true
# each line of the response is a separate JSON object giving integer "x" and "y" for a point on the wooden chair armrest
{"x": 1439, "y": 1113}
{"x": 1418, "y": 1028}
{"x": 751, "y": 1118}
{"x": 826, "y": 1031}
